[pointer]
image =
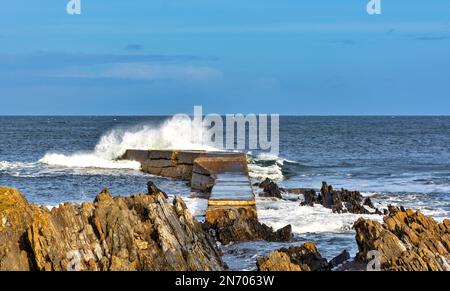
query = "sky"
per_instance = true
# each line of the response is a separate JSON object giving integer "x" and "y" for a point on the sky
{"x": 290, "y": 57}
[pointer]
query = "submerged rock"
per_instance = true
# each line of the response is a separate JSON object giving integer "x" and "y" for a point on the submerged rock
{"x": 344, "y": 201}
{"x": 270, "y": 189}
{"x": 141, "y": 232}
{"x": 300, "y": 258}
{"x": 406, "y": 241}
{"x": 341, "y": 201}
{"x": 311, "y": 198}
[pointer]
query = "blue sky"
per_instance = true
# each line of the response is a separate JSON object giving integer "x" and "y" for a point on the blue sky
{"x": 147, "y": 57}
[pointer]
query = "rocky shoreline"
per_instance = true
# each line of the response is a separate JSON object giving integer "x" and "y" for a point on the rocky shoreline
{"x": 147, "y": 232}
{"x": 140, "y": 232}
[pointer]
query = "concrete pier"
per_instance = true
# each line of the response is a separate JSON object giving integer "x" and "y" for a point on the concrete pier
{"x": 221, "y": 176}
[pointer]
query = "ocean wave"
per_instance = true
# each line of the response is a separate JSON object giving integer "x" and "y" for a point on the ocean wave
{"x": 6, "y": 165}
{"x": 305, "y": 219}
{"x": 87, "y": 160}
{"x": 265, "y": 166}
{"x": 175, "y": 133}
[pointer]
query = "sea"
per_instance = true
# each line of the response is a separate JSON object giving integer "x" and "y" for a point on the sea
{"x": 398, "y": 160}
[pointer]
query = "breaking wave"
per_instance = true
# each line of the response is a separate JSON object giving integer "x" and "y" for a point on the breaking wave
{"x": 175, "y": 133}
{"x": 263, "y": 166}
{"x": 6, "y": 166}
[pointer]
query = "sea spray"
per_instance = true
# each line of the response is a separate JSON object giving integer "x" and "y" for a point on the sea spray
{"x": 175, "y": 133}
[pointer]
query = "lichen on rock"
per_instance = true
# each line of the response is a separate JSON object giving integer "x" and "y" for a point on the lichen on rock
{"x": 406, "y": 241}
{"x": 140, "y": 232}
{"x": 298, "y": 258}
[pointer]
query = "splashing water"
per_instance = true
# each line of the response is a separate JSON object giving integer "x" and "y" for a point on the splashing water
{"x": 175, "y": 133}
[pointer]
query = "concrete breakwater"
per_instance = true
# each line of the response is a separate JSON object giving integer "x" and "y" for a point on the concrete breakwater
{"x": 222, "y": 177}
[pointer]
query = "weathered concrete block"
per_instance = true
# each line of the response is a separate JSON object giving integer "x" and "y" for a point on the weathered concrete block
{"x": 162, "y": 163}
{"x": 202, "y": 183}
{"x": 221, "y": 164}
{"x": 197, "y": 168}
{"x": 162, "y": 154}
{"x": 188, "y": 157}
{"x": 136, "y": 155}
{"x": 183, "y": 172}
{"x": 226, "y": 213}
{"x": 153, "y": 170}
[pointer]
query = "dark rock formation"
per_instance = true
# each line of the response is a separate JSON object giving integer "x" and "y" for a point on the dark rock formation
{"x": 153, "y": 190}
{"x": 368, "y": 202}
{"x": 270, "y": 189}
{"x": 406, "y": 241}
{"x": 299, "y": 258}
{"x": 308, "y": 255}
{"x": 236, "y": 224}
{"x": 341, "y": 201}
{"x": 339, "y": 259}
{"x": 298, "y": 191}
{"x": 278, "y": 261}
{"x": 311, "y": 198}
{"x": 141, "y": 232}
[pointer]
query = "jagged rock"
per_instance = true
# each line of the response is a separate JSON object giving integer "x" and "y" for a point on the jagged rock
{"x": 15, "y": 217}
{"x": 311, "y": 198}
{"x": 278, "y": 261}
{"x": 241, "y": 224}
{"x": 406, "y": 241}
{"x": 368, "y": 202}
{"x": 270, "y": 189}
{"x": 344, "y": 201}
{"x": 251, "y": 230}
{"x": 153, "y": 190}
{"x": 298, "y": 191}
{"x": 339, "y": 259}
{"x": 326, "y": 194}
{"x": 141, "y": 232}
{"x": 299, "y": 258}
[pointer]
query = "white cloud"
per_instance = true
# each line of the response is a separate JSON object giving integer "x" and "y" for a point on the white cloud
{"x": 141, "y": 71}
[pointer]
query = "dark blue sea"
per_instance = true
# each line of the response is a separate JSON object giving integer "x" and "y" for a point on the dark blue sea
{"x": 395, "y": 160}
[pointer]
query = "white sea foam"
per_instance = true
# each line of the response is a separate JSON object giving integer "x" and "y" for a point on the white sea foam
{"x": 265, "y": 166}
{"x": 197, "y": 206}
{"x": 15, "y": 166}
{"x": 175, "y": 133}
{"x": 87, "y": 160}
{"x": 305, "y": 219}
{"x": 5, "y": 165}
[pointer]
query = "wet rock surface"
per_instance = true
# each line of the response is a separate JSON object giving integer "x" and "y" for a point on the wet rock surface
{"x": 340, "y": 201}
{"x": 270, "y": 189}
{"x": 406, "y": 241}
{"x": 299, "y": 258}
{"x": 311, "y": 198}
{"x": 141, "y": 232}
{"x": 241, "y": 224}
{"x": 339, "y": 259}
{"x": 343, "y": 200}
